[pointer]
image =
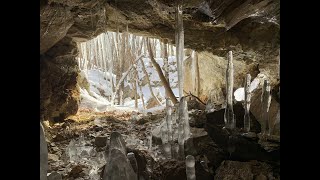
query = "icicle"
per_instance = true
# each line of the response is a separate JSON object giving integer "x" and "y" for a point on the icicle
{"x": 190, "y": 168}
{"x": 229, "y": 118}
{"x": 72, "y": 151}
{"x": 184, "y": 117}
{"x": 277, "y": 122}
{"x": 193, "y": 71}
{"x": 247, "y": 97}
{"x": 149, "y": 138}
{"x": 169, "y": 117}
{"x": 118, "y": 167}
{"x": 181, "y": 140}
{"x": 266, "y": 100}
{"x": 164, "y": 134}
{"x": 179, "y": 48}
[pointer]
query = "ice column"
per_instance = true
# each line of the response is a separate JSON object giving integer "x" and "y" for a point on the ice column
{"x": 149, "y": 138}
{"x": 184, "y": 117}
{"x": 181, "y": 140}
{"x": 247, "y": 98}
{"x": 190, "y": 168}
{"x": 72, "y": 151}
{"x": 266, "y": 100}
{"x": 118, "y": 167}
{"x": 229, "y": 118}
{"x": 169, "y": 118}
{"x": 179, "y": 47}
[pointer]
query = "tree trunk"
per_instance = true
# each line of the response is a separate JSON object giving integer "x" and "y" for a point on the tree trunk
{"x": 162, "y": 77}
{"x": 166, "y": 62}
{"x": 126, "y": 74}
{"x": 148, "y": 80}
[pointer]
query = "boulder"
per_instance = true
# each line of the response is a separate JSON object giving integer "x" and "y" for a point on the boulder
{"x": 252, "y": 170}
{"x": 100, "y": 141}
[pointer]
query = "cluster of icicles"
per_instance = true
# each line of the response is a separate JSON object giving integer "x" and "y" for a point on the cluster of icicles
{"x": 229, "y": 117}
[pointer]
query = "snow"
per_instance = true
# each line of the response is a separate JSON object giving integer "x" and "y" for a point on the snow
{"x": 239, "y": 94}
{"x": 100, "y": 88}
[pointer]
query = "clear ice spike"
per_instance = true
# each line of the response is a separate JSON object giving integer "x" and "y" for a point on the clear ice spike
{"x": 184, "y": 117}
{"x": 190, "y": 168}
{"x": 179, "y": 47}
{"x": 229, "y": 119}
{"x": 247, "y": 99}
{"x": 117, "y": 142}
{"x": 169, "y": 118}
{"x": 164, "y": 134}
{"x": 118, "y": 167}
{"x": 266, "y": 100}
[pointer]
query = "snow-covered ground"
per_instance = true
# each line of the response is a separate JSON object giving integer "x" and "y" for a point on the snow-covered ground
{"x": 100, "y": 88}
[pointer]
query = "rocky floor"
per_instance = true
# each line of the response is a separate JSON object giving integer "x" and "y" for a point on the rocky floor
{"x": 89, "y": 133}
{"x": 94, "y": 129}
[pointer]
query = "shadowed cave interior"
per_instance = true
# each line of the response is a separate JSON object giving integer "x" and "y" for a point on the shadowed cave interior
{"x": 159, "y": 90}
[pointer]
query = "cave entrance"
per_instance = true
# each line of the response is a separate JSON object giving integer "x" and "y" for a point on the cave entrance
{"x": 117, "y": 73}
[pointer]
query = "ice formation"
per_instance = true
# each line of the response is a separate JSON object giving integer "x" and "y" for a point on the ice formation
{"x": 247, "y": 100}
{"x": 190, "y": 168}
{"x": 229, "y": 119}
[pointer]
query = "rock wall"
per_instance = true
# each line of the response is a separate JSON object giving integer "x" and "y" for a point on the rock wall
{"x": 59, "y": 93}
{"x": 212, "y": 71}
{"x": 250, "y": 28}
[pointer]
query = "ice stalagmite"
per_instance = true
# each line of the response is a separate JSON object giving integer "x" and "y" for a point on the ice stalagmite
{"x": 169, "y": 118}
{"x": 166, "y": 130}
{"x": 266, "y": 100}
{"x": 184, "y": 117}
{"x": 179, "y": 47}
{"x": 117, "y": 142}
{"x": 118, "y": 166}
{"x": 247, "y": 98}
{"x": 72, "y": 151}
{"x": 229, "y": 118}
{"x": 190, "y": 168}
{"x": 164, "y": 134}
{"x": 43, "y": 155}
{"x": 149, "y": 138}
{"x": 181, "y": 140}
